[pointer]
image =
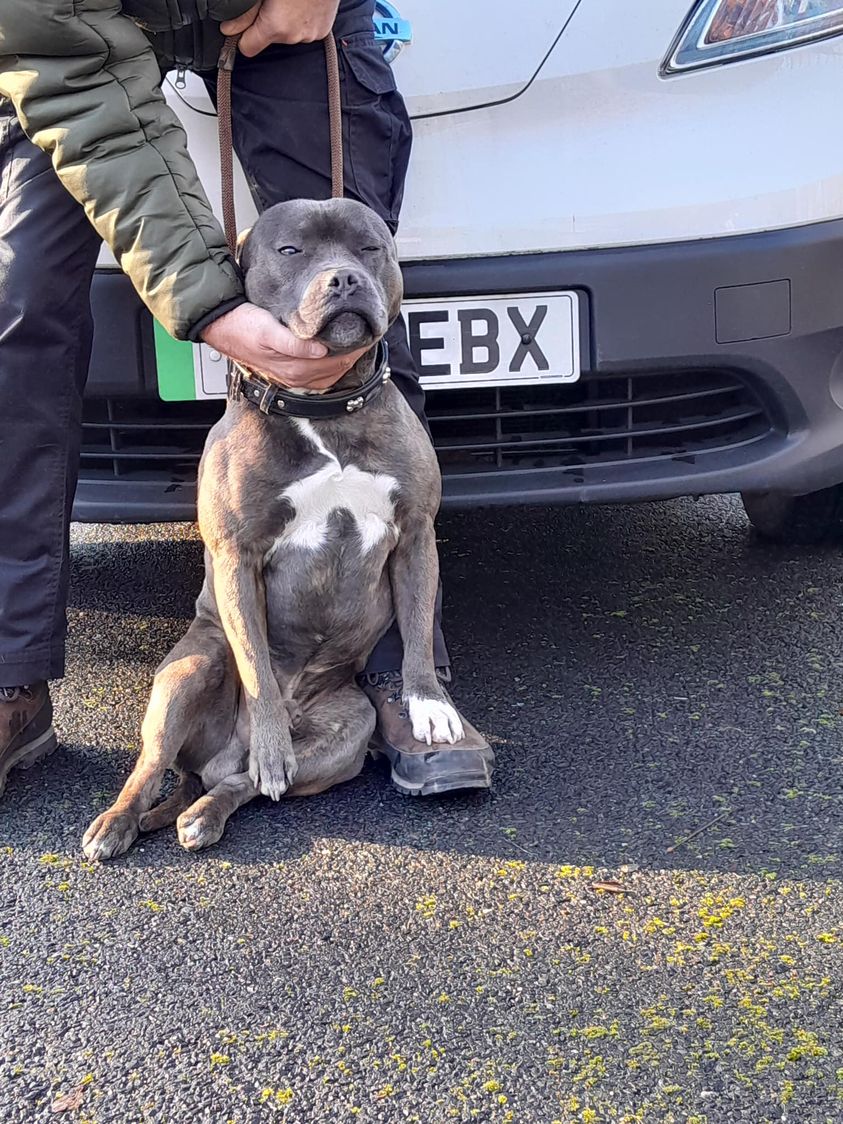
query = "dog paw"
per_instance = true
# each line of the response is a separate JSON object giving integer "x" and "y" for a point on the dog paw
{"x": 110, "y": 835}
{"x": 199, "y": 829}
{"x": 434, "y": 720}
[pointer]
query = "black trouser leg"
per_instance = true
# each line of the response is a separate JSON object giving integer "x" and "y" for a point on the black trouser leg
{"x": 281, "y": 133}
{"x": 48, "y": 250}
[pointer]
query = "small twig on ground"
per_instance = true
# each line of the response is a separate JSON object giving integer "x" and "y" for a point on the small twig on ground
{"x": 699, "y": 831}
{"x": 611, "y": 887}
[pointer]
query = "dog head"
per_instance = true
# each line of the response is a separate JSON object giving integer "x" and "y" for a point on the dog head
{"x": 327, "y": 270}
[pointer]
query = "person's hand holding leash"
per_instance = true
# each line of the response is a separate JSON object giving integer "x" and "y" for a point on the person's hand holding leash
{"x": 282, "y": 21}
{"x": 254, "y": 338}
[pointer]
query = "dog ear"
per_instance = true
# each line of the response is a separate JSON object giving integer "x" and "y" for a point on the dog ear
{"x": 239, "y": 252}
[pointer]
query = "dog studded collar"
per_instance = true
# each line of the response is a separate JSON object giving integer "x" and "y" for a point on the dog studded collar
{"x": 272, "y": 399}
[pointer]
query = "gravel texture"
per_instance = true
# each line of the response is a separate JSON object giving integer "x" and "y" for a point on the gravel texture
{"x": 364, "y": 957}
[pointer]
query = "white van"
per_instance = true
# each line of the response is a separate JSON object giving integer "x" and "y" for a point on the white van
{"x": 623, "y": 249}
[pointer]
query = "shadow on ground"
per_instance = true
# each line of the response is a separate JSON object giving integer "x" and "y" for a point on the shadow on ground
{"x": 641, "y": 671}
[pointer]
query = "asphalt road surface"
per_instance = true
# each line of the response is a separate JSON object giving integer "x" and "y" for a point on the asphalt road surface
{"x": 645, "y": 673}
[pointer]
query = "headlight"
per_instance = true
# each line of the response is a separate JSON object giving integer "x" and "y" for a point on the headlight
{"x": 718, "y": 31}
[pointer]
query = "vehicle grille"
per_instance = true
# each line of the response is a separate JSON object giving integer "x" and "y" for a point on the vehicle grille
{"x": 144, "y": 438}
{"x": 603, "y": 419}
{"x": 599, "y": 420}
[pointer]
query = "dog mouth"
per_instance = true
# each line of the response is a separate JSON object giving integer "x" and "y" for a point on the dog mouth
{"x": 348, "y": 330}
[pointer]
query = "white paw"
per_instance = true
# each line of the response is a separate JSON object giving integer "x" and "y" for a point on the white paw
{"x": 434, "y": 721}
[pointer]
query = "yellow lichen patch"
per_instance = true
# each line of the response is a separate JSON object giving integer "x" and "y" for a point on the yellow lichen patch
{"x": 52, "y": 859}
{"x": 510, "y": 869}
{"x": 276, "y": 1097}
{"x": 594, "y": 1032}
{"x": 808, "y": 1046}
{"x": 716, "y": 910}
{"x": 567, "y": 871}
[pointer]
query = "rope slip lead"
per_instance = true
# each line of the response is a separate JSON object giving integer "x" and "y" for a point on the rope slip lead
{"x": 334, "y": 115}
{"x": 225, "y": 66}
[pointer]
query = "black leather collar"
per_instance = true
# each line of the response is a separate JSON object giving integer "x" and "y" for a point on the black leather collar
{"x": 273, "y": 399}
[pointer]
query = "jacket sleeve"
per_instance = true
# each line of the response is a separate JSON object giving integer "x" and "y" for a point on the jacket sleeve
{"x": 86, "y": 87}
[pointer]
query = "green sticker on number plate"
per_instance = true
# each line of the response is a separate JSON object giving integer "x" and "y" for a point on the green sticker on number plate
{"x": 176, "y": 367}
{"x": 187, "y": 371}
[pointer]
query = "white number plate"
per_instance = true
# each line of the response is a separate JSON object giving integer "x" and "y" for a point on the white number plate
{"x": 492, "y": 341}
{"x": 456, "y": 342}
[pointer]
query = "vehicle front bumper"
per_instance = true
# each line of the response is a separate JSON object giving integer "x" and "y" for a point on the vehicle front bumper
{"x": 762, "y": 310}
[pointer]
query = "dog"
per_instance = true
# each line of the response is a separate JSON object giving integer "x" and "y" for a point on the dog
{"x": 318, "y": 531}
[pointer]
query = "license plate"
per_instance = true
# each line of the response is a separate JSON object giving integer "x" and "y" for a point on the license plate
{"x": 513, "y": 340}
{"x": 495, "y": 341}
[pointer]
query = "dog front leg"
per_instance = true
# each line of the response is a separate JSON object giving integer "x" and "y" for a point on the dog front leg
{"x": 414, "y": 575}
{"x": 241, "y": 601}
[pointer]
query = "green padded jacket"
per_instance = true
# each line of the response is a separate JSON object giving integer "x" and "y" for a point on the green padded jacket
{"x": 84, "y": 77}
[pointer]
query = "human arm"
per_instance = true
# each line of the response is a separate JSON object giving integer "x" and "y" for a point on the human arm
{"x": 85, "y": 85}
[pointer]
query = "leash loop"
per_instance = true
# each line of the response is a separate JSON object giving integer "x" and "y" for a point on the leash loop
{"x": 225, "y": 66}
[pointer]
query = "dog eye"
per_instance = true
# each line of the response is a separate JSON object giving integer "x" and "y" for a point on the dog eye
{"x": 288, "y": 250}
{"x": 370, "y": 249}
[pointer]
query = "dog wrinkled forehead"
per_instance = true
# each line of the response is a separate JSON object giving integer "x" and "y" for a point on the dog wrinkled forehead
{"x": 325, "y": 269}
{"x": 306, "y": 224}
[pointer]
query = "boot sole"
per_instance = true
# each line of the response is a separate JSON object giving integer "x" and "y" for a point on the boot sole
{"x": 434, "y": 786}
{"x": 438, "y": 785}
{"x": 26, "y": 755}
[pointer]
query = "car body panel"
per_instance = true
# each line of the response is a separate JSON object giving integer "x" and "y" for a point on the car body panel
{"x": 599, "y": 150}
{"x": 698, "y": 217}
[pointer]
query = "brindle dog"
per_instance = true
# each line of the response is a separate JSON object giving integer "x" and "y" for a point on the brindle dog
{"x": 317, "y": 533}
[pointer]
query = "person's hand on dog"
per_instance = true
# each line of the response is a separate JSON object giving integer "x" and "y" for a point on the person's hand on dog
{"x": 253, "y": 337}
{"x": 282, "y": 21}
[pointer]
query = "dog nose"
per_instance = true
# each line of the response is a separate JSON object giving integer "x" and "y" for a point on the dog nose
{"x": 344, "y": 283}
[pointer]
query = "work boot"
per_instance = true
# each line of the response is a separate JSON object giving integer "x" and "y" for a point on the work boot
{"x": 26, "y": 727}
{"x": 419, "y": 769}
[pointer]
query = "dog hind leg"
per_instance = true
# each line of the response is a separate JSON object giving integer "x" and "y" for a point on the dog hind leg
{"x": 187, "y": 790}
{"x": 332, "y": 740}
{"x": 330, "y": 746}
{"x": 204, "y": 821}
{"x": 195, "y": 671}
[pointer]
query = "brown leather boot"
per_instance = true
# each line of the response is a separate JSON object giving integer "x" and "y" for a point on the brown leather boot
{"x": 26, "y": 727}
{"x": 419, "y": 769}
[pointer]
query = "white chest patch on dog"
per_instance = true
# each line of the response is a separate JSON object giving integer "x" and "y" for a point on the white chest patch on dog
{"x": 366, "y": 495}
